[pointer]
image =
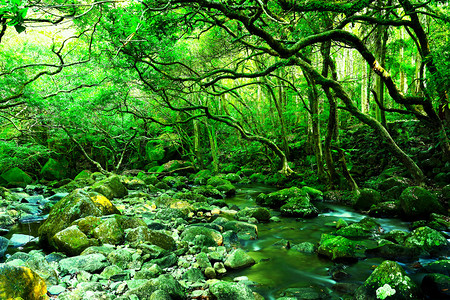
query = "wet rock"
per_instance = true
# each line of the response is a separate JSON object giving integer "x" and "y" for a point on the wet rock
{"x": 388, "y": 281}
{"x": 396, "y": 236}
{"x": 223, "y": 290}
{"x": 109, "y": 232}
{"x": 307, "y": 293}
{"x": 439, "y": 266}
{"x": 367, "y": 227}
{"x": 394, "y": 252}
{"x": 238, "y": 259}
{"x": 78, "y": 204}
{"x": 142, "y": 234}
{"x": 245, "y": 231}
{"x": 71, "y": 241}
{"x": 367, "y": 198}
{"x": 21, "y": 283}
{"x": 4, "y": 242}
{"x": 19, "y": 240}
{"x": 417, "y": 202}
{"x": 436, "y": 286}
{"x": 428, "y": 240}
{"x": 90, "y": 263}
{"x": 305, "y": 247}
{"x": 281, "y": 197}
{"x": 165, "y": 283}
{"x": 55, "y": 290}
{"x": 211, "y": 237}
{"x": 337, "y": 247}
{"x": 388, "y": 209}
{"x": 299, "y": 207}
{"x": 110, "y": 187}
{"x": 261, "y": 214}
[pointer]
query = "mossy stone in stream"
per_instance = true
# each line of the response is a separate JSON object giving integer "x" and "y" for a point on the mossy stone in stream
{"x": 385, "y": 209}
{"x": 439, "y": 266}
{"x": 222, "y": 185}
{"x": 17, "y": 177}
{"x": 281, "y": 197}
{"x": 429, "y": 240}
{"x": 261, "y": 214}
{"x": 388, "y": 281}
{"x": 367, "y": 227}
{"x": 337, "y": 247}
{"x": 367, "y": 198}
{"x": 142, "y": 234}
{"x": 238, "y": 259}
{"x": 436, "y": 286}
{"x": 165, "y": 283}
{"x": 417, "y": 202}
{"x": 299, "y": 207}
{"x": 71, "y": 241}
{"x": 110, "y": 187}
{"x": 21, "y": 283}
{"x": 212, "y": 237}
{"x": 109, "y": 232}
{"x": 224, "y": 290}
{"x": 313, "y": 193}
{"x": 244, "y": 230}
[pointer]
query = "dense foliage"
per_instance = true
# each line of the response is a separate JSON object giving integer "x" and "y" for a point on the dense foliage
{"x": 271, "y": 85}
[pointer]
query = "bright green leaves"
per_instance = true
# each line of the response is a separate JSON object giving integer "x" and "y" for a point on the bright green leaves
{"x": 14, "y": 12}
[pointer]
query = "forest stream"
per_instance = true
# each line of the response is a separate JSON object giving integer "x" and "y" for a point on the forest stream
{"x": 281, "y": 271}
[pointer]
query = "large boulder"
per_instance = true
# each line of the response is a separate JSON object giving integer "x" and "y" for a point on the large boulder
{"x": 202, "y": 235}
{"x": 16, "y": 177}
{"x": 76, "y": 205}
{"x": 21, "y": 283}
{"x": 279, "y": 198}
{"x": 110, "y": 187}
{"x": 222, "y": 185}
{"x": 71, "y": 241}
{"x": 417, "y": 202}
{"x": 337, "y": 247}
{"x": 142, "y": 234}
{"x": 367, "y": 198}
{"x": 90, "y": 263}
{"x": 224, "y": 290}
{"x": 238, "y": 259}
{"x": 53, "y": 170}
{"x": 388, "y": 281}
{"x": 299, "y": 207}
{"x": 428, "y": 240}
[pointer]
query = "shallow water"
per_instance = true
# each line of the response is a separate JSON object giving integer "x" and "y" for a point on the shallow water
{"x": 278, "y": 269}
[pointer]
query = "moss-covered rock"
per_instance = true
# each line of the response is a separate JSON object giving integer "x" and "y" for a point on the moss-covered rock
{"x": 71, "y": 241}
{"x": 202, "y": 235}
{"x": 392, "y": 182}
{"x": 436, "y": 286}
{"x": 165, "y": 283}
{"x": 388, "y": 281}
{"x": 222, "y": 185}
{"x": 281, "y": 197}
{"x": 388, "y": 209}
{"x": 76, "y": 205}
{"x": 16, "y": 177}
{"x": 142, "y": 234}
{"x": 83, "y": 175}
{"x": 238, "y": 259}
{"x": 148, "y": 178}
{"x": 244, "y": 230}
{"x": 439, "y": 266}
{"x": 367, "y": 227}
{"x": 299, "y": 207}
{"x": 224, "y": 290}
{"x": 21, "y": 283}
{"x": 367, "y": 198}
{"x": 429, "y": 240}
{"x": 110, "y": 187}
{"x": 314, "y": 194}
{"x": 261, "y": 214}
{"x": 109, "y": 232}
{"x": 53, "y": 170}
{"x": 337, "y": 247}
{"x": 417, "y": 202}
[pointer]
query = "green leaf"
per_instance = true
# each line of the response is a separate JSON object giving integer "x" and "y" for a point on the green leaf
{"x": 19, "y": 28}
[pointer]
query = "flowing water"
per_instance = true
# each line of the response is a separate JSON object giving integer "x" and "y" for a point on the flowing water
{"x": 278, "y": 268}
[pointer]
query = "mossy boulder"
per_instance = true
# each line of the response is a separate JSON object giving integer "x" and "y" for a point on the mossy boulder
{"x": 299, "y": 207}
{"x": 365, "y": 228}
{"x": 148, "y": 178}
{"x": 417, "y": 202}
{"x": 238, "y": 259}
{"x": 314, "y": 194}
{"x": 16, "y": 177}
{"x": 337, "y": 247}
{"x": 392, "y": 182}
{"x": 21, "y": 283}
{"x": 202, "y": 235}
{"x": 388, "y": 209}
{"x": 436, "y": 286}
{"x": 110, "y": 187}
{"x": 261, "y": 214}
{"x": 165, "y": 283}
{"x": 76, "y": 205}
{"x": 83, "y": 175}
{"x": 244, "y": 230}
{"x": 142, "y": 234}
{"x": 230, "y": 168}
{"x": 429, "y": 240}
{"x": 281, "y": 197}
{"x": 439, "y": 266}
{"x": 71, "y": 241}
{"x": 155, "y": 150}
{"x": 222, "y": 185}
{"x": 224, "y": 290}
{"x": 53, "y": 170}
{"x": 367, "y": 198}
{"x": 388, "y": 281}
{"x": 109, "y": 232}
{"x": 201, "y": 177}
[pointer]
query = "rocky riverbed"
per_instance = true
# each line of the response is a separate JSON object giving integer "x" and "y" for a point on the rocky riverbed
{"x": 179, "y": 237}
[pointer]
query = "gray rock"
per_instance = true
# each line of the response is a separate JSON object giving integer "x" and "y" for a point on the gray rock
{"x": 89, "y": 263}
{"x": 19, "y": 240}
{"x": 55, "y": 290}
